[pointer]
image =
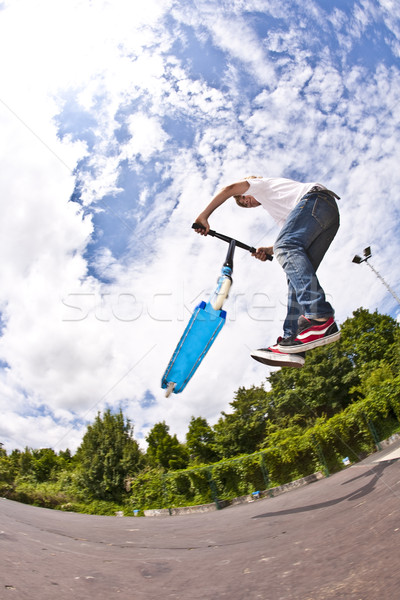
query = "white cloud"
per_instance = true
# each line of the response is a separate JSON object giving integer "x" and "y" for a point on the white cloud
{"x": 147, "y": 136}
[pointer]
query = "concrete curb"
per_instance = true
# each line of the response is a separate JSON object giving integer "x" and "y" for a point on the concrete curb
{"x": 389, "y": 441}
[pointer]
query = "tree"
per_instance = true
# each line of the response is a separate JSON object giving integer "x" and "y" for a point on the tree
{"x": 22, "y": 461}
{"x": 322, "y": 387}
{"x": 107, "y": 456}
{"x": 44, "y": 464}
{"x": 7, "y": 473}
{"x": 368, "y": 337}
{"x": 200, "y": 441}
{"x": 165, "y": 450}
{"x": 331, "y": 376}
{"x": 243, "y": 430}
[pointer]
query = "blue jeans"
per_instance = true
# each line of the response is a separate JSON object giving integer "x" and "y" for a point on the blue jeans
{"x": 301, "y": 245}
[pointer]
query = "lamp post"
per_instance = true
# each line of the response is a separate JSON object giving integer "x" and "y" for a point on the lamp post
{"x": 367, "y": 254}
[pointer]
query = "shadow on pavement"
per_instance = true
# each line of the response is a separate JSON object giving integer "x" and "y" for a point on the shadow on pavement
{"x": 376, "y": 473}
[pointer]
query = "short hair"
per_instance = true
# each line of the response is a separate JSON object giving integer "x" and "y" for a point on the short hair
{"x": 239, "y": 201}
{"x": 238, "y": 198}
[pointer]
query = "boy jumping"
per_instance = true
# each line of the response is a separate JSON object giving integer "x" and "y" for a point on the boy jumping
{"x": 309, "y": 219}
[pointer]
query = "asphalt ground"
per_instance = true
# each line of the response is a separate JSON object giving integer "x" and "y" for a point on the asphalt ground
{"x": 337, "y": 538}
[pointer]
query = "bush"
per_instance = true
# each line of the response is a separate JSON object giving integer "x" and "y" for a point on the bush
{"x": 96, "y": 507}
{"x": 147, "y": 490}
{"x": 46, "y": 495}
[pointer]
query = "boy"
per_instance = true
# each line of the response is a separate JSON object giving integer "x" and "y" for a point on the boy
{"x": 309, "y": 219}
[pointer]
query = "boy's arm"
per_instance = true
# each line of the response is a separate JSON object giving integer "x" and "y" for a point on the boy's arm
{"x": 234, "y": 189}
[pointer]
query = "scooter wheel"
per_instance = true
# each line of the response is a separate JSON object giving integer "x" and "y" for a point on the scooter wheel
{"x": 170, "y": 389}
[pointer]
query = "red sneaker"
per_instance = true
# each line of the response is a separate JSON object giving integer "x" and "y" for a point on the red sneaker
{"x": 310, "y": 334}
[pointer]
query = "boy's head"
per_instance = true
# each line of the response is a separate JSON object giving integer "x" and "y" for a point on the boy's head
{"x": 246, "y": 201}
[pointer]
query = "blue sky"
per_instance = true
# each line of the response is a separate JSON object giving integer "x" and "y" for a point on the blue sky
{"x": 112, "y": 144}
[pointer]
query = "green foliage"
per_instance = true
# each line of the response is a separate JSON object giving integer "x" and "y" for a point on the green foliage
{"x": 243, "y": 430}
{"x": 368, "y": 337}
{"x": 107, "y": 456}
{"x": 41, "y": 464}
{"x": 290, "y": 455}
{"x": 322, "y": 387}
{"x": 235, "y": 477}
{"x": 147, "y": 489}
{"x": 45, "y": 494}
{"x": 200, "y": 442}
{"x": 95, "y": 507}
{"x": 7, "y": 473}
{"x": 44, "y": 464}
{"x": 164, "y": 450}
{"x": 187, "y": 488}
{"x": 33, "y": 467}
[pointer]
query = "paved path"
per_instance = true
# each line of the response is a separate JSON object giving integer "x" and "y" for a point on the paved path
{"x": 338, "y": 538}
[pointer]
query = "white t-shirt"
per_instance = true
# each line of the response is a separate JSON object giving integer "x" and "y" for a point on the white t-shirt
{"x": 278, "y": 195}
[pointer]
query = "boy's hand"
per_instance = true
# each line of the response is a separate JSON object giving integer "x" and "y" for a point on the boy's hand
{"x": 202, "y": 221}
{"x": 262, "y": 253}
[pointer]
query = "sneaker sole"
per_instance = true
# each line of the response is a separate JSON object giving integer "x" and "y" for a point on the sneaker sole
{"x": 289, "y": 361}
{"x": 329, "y": 339}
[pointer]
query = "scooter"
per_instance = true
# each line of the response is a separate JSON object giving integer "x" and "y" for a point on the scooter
{"x": 206, "y": 322}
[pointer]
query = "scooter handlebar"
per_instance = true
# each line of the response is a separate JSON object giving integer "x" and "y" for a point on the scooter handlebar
{"x": 228, "y": 239}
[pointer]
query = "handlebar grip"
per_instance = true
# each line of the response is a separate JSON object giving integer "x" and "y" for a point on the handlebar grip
{"x": 210, "y": 231}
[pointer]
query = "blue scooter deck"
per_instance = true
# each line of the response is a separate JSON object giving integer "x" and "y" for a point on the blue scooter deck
{"x": 200, "y": 333}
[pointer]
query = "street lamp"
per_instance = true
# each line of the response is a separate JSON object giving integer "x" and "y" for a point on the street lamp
{"x": 367, "y": 254}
